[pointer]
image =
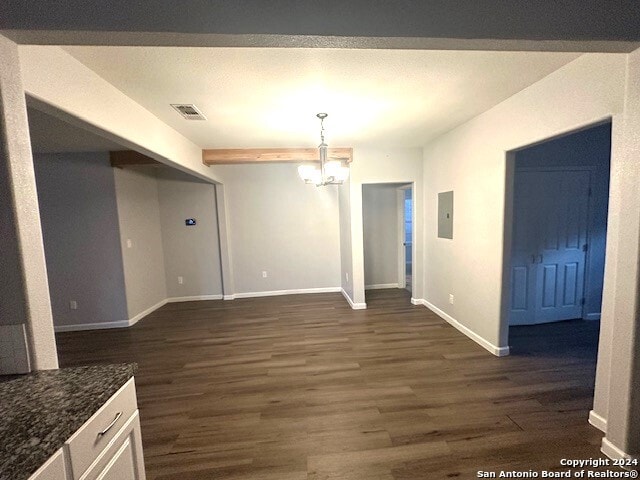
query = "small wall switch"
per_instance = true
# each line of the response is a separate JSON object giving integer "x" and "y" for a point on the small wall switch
{"x": 73, "y": 305}
{"x": 129, "y": 243}
{"x": 180, "y": 280}
{"x": 264, "y": 274}
{"x": 451, "y": 298}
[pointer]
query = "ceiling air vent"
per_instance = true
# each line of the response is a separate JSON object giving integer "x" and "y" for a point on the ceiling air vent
{"x": 188, "y": 111}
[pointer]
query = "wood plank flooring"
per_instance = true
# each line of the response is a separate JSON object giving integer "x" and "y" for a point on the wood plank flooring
{"x": 303, "y": 387}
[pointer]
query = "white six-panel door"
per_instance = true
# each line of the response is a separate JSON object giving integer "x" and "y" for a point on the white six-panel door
{"x": 549, "y": 242}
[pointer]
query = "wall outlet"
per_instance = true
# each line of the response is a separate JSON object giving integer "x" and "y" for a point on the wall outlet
{"x": 264, "y": 274}
{"x": 180, "y": 280}
{"x": 73, "y": 305}
{"x": 129, "y": 243}
{"x": 451, "y": 298}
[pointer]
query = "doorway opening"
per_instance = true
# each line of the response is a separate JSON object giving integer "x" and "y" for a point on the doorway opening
{"x": 558, "y": 240}
{"x": 387, "y": 217}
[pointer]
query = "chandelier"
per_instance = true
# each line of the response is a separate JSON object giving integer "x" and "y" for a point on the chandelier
{"x": 330, "y": 172}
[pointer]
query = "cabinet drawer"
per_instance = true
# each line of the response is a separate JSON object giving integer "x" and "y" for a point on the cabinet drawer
{"x": 93, "y": 437}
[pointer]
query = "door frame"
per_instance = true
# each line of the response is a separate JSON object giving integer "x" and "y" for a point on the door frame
{"x": 402, "y": 268}
{"x": 509, "y": 210}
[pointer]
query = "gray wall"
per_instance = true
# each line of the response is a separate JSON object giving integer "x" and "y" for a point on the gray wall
{"x": 79, "y": 219}
{"x": 190, "y": 252}
{"x": 281, "y": 226}
{"x": 139, "y": 221}
{"x": 380, "y": 234}
{"x": 591, "y": 147}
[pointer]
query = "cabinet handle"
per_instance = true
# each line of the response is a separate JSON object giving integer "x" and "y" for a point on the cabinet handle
{"x": 533, "y": 259}
{"x": 110, "y": 426}
{"x": 540, "y": 256}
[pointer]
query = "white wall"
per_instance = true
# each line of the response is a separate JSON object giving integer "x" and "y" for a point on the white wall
{"x": 346, "y": 261}
{"x": 192, "y": 252}
{"x": 79, "y": 215}
{"x": 280, "y": 225}
{"x": 380, "y": 234}
{"x": 385, "y": 165}
{"x": 139, "y": 221}
{"x": 20, "y": 231}
{"x": 66, "y": 88}
{"x": 471, "y": 161}
{"x": 618, "y": 371}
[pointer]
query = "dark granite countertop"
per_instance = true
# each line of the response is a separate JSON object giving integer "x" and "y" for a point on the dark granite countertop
{"x": 41, "y": 410}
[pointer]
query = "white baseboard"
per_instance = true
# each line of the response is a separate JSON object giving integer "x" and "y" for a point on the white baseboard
{"x": 108, "y": 325}
{"x": 613, "y": 452}
{"x": 92, "y": 326}
{"x": 494, "y": 349}
{"x": 355, "y": 306}
{"x": 598, "y": 421}
{"x": 141, "y": 315}
{"x": 417, "y": 301}
{"x": 592, "y": 316}
{"x": 298, "y": 291}
{"x": 195, "y": 298}
{"x": 228, "y": 297}
{"x": 381, "y": 286}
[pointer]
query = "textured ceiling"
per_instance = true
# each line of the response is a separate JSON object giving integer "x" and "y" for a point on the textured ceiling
{"x": 268, "y": 97}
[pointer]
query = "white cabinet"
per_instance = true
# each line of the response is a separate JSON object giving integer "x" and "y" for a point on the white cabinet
{"x": 107, "y": 447}
{"x": 122, "y": 459}
{"x": 54, "y": 469}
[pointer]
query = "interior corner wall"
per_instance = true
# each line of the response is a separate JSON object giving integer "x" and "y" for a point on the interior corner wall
{"x": 190, "y": 252}
{"x": 380, "y": 234}
{"x": 385, "y": 165}
{"x": 78, "y": 211}
{"x": 139, "y": 222}
{"x": 281, "y": 226}
{"x": 346, "y": 263}
{"x": 618, "y": 372}
{"x": 471, "y": 161}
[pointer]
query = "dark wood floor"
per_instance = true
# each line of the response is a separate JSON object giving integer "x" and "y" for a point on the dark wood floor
{"x": 303, "y": 387}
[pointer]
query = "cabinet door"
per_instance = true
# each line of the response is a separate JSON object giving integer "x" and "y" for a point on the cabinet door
{"x": 122, "y": 459}
{"x": 123, "y": 465}
{"x": 53, "y": 469}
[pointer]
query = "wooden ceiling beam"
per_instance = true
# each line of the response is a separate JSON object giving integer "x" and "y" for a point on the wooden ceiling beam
{"x": 232, "y": 156}
{"x": 128, "y": 158}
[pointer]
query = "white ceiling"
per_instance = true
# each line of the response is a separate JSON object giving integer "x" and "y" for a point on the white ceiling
{"x": 52, "y": 135}
{"x": 268, "y": 97}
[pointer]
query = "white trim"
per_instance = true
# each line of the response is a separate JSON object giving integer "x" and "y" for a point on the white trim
{"x": 141, "y": 315}
{"x": 355, "y": 306}
{"x": 228, "y": 297}
{"x": 381, "y": 286}
{"x": 297, "y": 291}
{"x": 497, "y": 351}
{"x": 417, "y": 301}
{"x": 592, "y": 316}
{"x": 92, "y": 326}
{"x": 195, "y": 298}
{"x": 109, "y": 325}
{"x": 613, "y": 452}
{"x": 598, "y": 421}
